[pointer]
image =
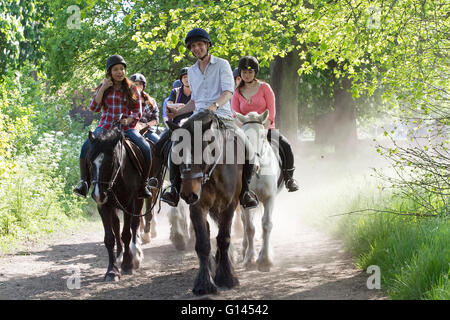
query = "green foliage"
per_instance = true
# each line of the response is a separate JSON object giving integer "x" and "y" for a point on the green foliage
{"x": 412, "y": 252}
{"x": 39, "y": 150}
{"x": 21, "y": 24}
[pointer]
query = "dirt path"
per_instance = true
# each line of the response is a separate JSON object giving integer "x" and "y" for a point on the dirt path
{"x": 313, "y": 266}
{"x": 308, "y": 264}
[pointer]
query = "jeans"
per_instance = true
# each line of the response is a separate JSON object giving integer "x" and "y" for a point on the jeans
{"x": 152, "y": 136}
{"x": 87, "y": 143}
{"x": 131, "y": 134}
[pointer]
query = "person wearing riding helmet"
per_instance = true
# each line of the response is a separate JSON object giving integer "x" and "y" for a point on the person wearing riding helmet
{"x": 237, "y": 77}
{"x": 256, "y": 95}
{"x": 116, "y": 96}
{"x": 180, "y": 96}
{"x": 150, "y": 112}
{"x": 211, "y": 83}
{"x": 175, "y": 84}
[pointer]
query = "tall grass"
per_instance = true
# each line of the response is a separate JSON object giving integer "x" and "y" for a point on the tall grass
{"x": 412, "y": 252}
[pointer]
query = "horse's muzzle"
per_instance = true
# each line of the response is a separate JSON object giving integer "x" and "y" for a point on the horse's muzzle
{"x": 190, "y": 198}
{"x": 100, "y": 197}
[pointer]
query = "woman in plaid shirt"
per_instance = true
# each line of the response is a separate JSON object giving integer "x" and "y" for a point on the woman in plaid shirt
{"x": 116, "y": 96}
{"x": 150, "y": 112}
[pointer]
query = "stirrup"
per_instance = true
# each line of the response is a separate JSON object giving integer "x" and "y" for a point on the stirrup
{"x": 253, "y": 199}
{"x": 173, "y": 193}
{"x": 152, "y": 183}
{"x": 291, "y": 185}
{"x": 81, "y": 189}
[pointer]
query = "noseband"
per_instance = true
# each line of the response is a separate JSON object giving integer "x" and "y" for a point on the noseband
{"x": 259, "y": 155}
{"x": 111, "y": 183}
{"x": 186, "y": 172}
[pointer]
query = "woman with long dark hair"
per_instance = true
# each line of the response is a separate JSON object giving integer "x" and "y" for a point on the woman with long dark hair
{"x": 116, "y": 98}
{"x": 253, "y": 95}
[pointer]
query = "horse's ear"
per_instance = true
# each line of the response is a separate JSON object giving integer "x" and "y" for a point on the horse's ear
{"x": 172, "y": 126}
{"x": 91, "y": 136}
{"x": 263, "y": 116}
{"x": 242, "y": 119}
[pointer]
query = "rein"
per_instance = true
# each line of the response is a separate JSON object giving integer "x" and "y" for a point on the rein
{"x": 206, "y": 176}
{"x": 264, "y": 148}
{"x": 113, "y": 181}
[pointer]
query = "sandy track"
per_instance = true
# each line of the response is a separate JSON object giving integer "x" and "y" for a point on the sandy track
{"x": 309, "y": 264}
{"x": 312, "y": 266}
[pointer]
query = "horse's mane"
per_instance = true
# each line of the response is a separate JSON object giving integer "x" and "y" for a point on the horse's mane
{"x": 104, "y": 142}
{"x": 205, "y": 116}
{"x": 253, "y": 116}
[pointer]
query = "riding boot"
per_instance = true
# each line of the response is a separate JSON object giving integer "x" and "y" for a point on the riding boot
{"x": 149, "y": 183}
{"x": 289, "y": 181}
{"x": 247, "y": 198}
{"x": 82, "y": 188}
{"x": 172, "y": 196}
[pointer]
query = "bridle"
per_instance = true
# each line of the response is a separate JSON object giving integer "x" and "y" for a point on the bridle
{"x": 186, "y": 170}
{"x": 111, "y": 183}
{"x": 263, "y": 150}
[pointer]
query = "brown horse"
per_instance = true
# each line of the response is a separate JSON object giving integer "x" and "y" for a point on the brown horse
{"x": 116, "y": 182}
{"x": 210, "y": 187}
{"x": 158, "y": 170}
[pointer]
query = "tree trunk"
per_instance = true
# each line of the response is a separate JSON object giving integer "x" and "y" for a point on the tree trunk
{"x": 345, "y": 117}
{"x": 283, "y": 72}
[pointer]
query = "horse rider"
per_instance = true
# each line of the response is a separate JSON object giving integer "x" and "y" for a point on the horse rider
{"x": 237, "y": 77}
{"x": 150, "y": 112}
{"x": 211, "y": 83}
{"x": 181, "y": 95}
{"x": 175, "y": 84}
{"x": 116, "y": 95}
{"x": 255, "y": 95}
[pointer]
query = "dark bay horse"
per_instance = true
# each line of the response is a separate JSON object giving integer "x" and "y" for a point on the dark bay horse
{"x": 115, "y": 182}
{"x": 158, "y": 170}
{"x": 210, "y": 187}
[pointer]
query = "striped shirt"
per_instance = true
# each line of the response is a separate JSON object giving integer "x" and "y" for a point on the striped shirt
{"x": 115, "y": 104}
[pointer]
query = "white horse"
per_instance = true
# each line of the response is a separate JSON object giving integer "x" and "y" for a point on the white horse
{"x": 266, "y": 183}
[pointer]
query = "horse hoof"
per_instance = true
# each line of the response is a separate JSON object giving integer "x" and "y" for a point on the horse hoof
{"x": 250, "y": 265}
{"x": 206, "y": 289}
{"x": 112, "y": 277}
{"x": 146, "y": 238}
{"x": 226, "y": 282}
{"x": 127, "y": 272}
{"x": 264, "y": 266}
{"x": 154, "y": 234}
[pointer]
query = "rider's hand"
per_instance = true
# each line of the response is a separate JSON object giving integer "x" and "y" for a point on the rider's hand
{"x": 267, "y": 124}
{"x": 126, "y": 121}
{"x": 106, "y": 83}
{"x": 213, "y": 108}
{"x": 171, "y": 112}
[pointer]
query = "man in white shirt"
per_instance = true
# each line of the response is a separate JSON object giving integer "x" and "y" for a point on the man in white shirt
{"x": 212, "y": 86}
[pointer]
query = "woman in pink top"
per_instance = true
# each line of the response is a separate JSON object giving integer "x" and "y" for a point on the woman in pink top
{"x": 255, "y": 95}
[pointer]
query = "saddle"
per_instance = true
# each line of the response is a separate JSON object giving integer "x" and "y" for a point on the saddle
{"x": 136, "y": 156}
{"x": 134, "y": 151}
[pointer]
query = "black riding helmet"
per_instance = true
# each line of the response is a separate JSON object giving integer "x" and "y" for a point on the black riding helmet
{"x": 248, "y": 63}
{"x": 138, "y": 77}
{"x": 113, "y": 60}
{"x": 236, "y": 73}
{"x": 183, "y": 72}
{"x": 197, "y": 34}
